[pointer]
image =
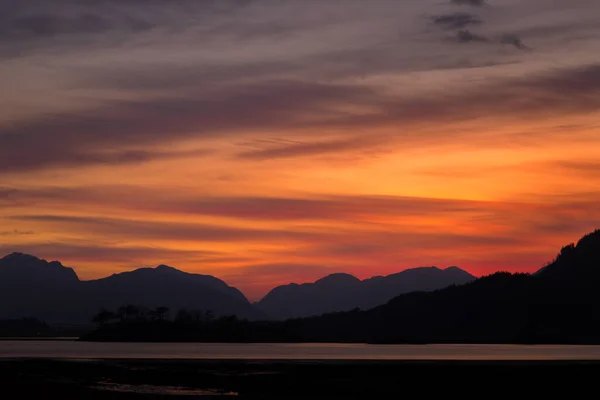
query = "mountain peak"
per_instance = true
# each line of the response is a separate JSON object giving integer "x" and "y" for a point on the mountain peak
{"x": 16, "y": 256}
{"x": 456, "y": 270}
{"x": 31, "y": 267}
{"x": 166, "y": 268}
{"x": 338, "y": 278}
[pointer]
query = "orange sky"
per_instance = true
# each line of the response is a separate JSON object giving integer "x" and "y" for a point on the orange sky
{"x": 265, "y": 143}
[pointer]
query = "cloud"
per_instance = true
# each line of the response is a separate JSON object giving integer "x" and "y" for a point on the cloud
{"x": 461, "y": 21}
{"x": 466, "y": 36}
{"x": 354, "y": 208}
{"x": 21, "y": 27}
{"x": 283, "y": 149}
{"x": 86, "y": 137}
{"x": 18, "y": 162}
{"x": 474, "y": 3}
{"x": 16, "y": 232}
{"x": 107, "y": 134}
{"x": 360, "y": 212}
{"x": 165, "y": 231}
{"x": 73, "y": 26}
{"x": 456, "y": 20}
{"x": 515, "y": 41}
{"x": 573, "y": 91}
{"x": 52, "y": 25}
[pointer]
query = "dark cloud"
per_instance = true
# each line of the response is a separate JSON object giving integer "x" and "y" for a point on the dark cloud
{"x": 563, "y": 91}
{"x": 280, "y": 149}
{"x": 258, "y": 208}
{"x": 581, "y": 81}
{"x": 28, "y": 26}
{"x": 461, "y": 21}
{"x": 51, "y": 25}
{"x": 374, "y": 210}
{"x": 55, "y": 140}
{"x": 289, "y": 105}
{"x": 156, "y": 231}
{"x": 48, "y": 26}
{"x": 70, "y": 157}
{"x": 466, "y": 36}
{"x": 474, "y": 3}
{"x": 515, "y": 41}
{"x": 456, "y": 20}
{"x": 335, "y": 65}
{"x": 16, "y": 232}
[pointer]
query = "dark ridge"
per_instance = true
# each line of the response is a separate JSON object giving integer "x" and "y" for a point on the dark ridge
{"x": 343, "y": 292}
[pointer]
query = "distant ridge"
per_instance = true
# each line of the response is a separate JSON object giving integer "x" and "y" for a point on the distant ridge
{"x": 343, "y": 292}
{"x": 557, "y": 305}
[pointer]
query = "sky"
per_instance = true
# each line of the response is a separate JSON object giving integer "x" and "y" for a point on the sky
{"x": 268, "y": 142}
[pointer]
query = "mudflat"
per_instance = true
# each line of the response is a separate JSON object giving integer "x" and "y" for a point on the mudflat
{"x": 205, "y": 379}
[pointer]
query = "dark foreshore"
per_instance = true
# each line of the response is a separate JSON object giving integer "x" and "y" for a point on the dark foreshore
{"x": 204, "y": 379}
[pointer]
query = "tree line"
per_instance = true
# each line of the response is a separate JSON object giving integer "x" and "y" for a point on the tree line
{"x": 134, "y": 313}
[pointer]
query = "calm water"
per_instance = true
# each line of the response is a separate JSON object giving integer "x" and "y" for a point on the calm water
{"x": 84, "y": 350}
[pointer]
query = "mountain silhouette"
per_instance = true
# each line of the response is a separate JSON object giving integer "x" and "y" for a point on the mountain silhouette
{"x": 169, "y": 287}
{"x": 32, "y": 287}
{"x": 343, "y": 292}
{"x": 557, "y": 305}
{"x": 26, "y": 268}
{"x": 576, "y": 264}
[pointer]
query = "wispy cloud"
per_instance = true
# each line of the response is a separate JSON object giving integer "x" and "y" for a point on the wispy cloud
{"x": 457, "y": 20}
{"x": 16, "y": 232}
{"x": 515, "y": 41}
{"x": 280, "y": 149}
{"x": 77, "y": 139}
{"x": 466, "y": 36}
{"x": 474, "y": 3}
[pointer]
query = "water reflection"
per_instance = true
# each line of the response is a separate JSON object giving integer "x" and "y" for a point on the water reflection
{"x": 160, "y": 390}
{"x": 301, "y": 351}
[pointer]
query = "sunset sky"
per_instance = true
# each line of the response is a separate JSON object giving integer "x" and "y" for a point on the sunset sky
{"x": 266, "y": 142}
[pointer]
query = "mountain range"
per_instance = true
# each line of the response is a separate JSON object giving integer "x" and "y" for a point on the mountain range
{"x": 34, "y": 288}
{"x": 343, "y": 292}
{"x": 557, "y": 305}
{"x": 31, "y": 287}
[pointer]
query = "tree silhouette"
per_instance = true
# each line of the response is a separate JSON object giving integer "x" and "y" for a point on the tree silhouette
{"x": 128, "y": 312}
{"x": 103, "y": 317}
{"x": 159, "y": 313}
